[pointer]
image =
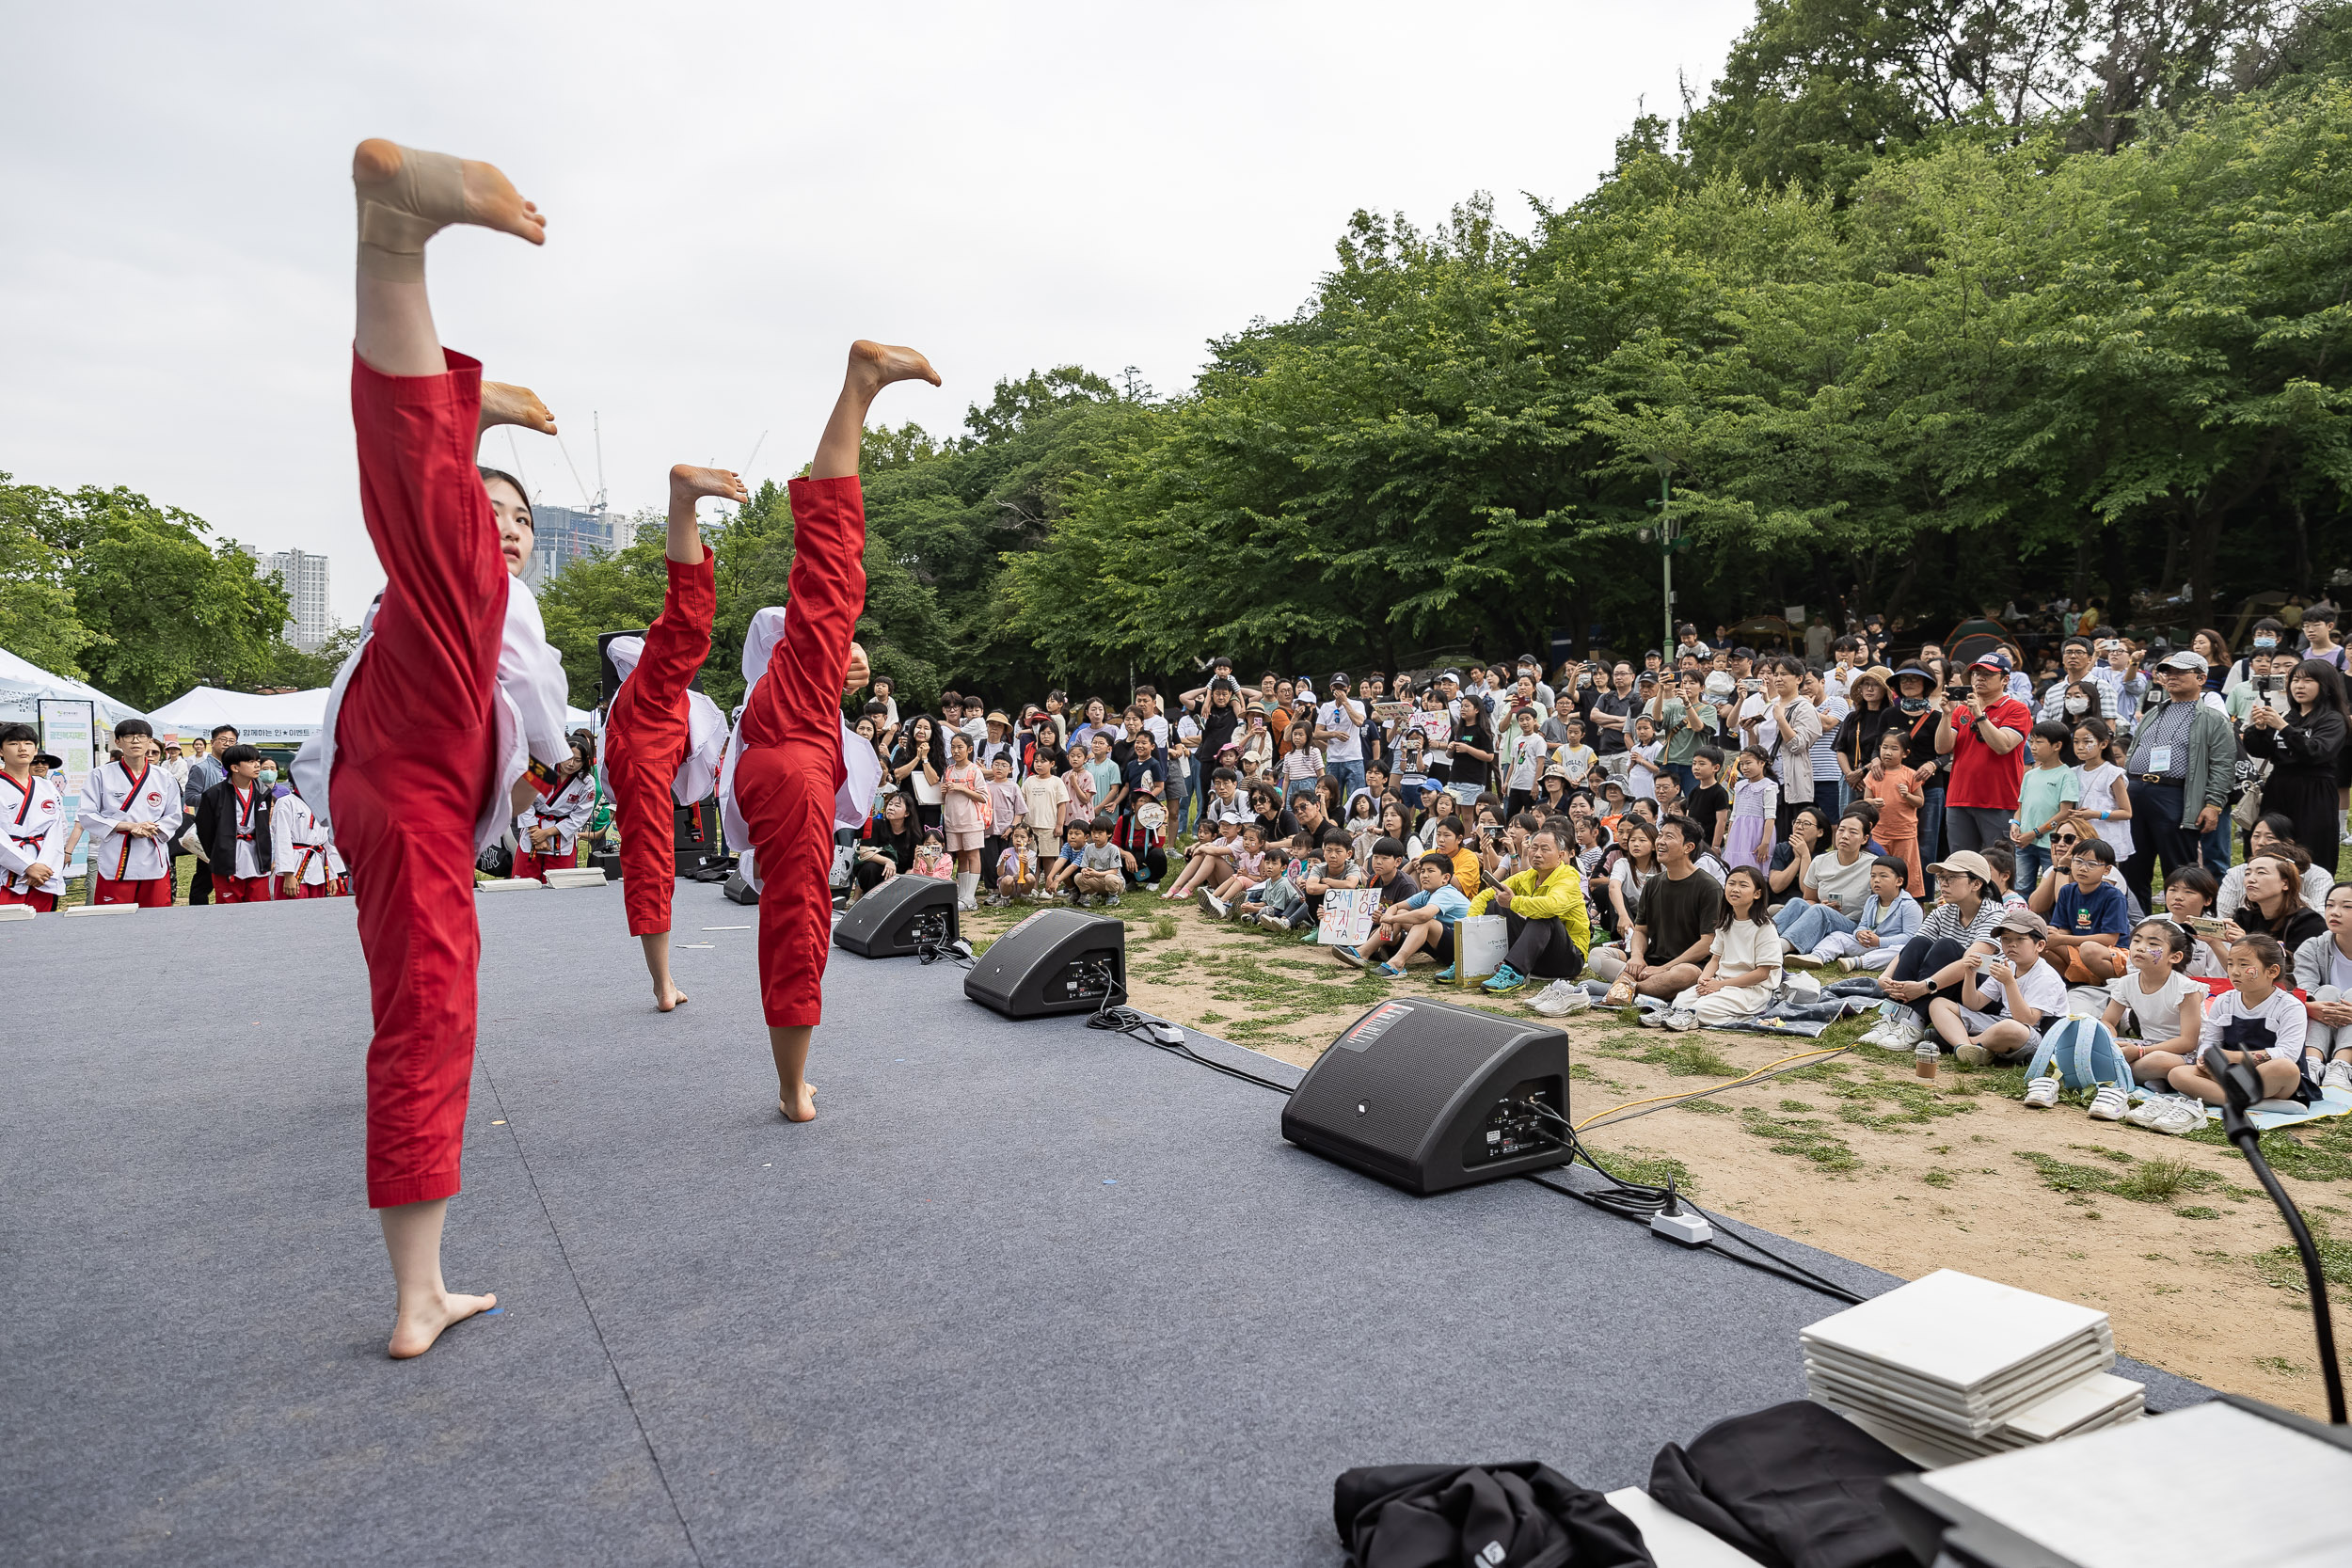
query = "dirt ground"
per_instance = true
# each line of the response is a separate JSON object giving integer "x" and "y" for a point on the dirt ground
{"x": 1853, "y": 1154}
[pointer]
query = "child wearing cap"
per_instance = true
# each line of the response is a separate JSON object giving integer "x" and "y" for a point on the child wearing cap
{"x": 2003, "y": 1002}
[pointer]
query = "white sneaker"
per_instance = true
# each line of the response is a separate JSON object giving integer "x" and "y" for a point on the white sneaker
{"x": 2043, "y": 1093}
{"x": 1803, "y": 960}
{"x": 1681, "y": 1022}
{"x": 2143, "y": 1111}
{"x": 1215, "y": 905}
{"x": 2177, "y": 1116}
{"x": 1561, "y": 998}
{"x": 2109, "y": 1103}
{"x": 1905, "y": 1034}
{"x": 1972, "y": 1054}
{"x": 1876, "y": 1033}
{"x": 2339, "y": 1075}
{"x": 1653, "y": 1017}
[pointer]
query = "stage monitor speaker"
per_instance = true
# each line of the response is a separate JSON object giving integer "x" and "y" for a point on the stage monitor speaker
{"x": 897, "y": 918}
{"x": 1418, "y": 1092}
{"x": 695, "y": 832}
{"x": 740, "y": 892}
{"x": 1056, "y": 961}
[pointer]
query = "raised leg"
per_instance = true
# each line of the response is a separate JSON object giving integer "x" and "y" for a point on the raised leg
{"x": 405, "y": 197}
{"x": 872, "y": 367}
{"x": 688, "y": 485}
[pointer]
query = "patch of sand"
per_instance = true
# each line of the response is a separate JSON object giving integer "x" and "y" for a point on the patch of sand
{"x": 1856, "y": 1157}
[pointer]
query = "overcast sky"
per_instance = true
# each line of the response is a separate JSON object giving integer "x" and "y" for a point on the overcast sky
{"x": 736, "y": 191}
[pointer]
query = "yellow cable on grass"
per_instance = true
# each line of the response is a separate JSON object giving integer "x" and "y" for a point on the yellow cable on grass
{"x": 1727, "y": 1083}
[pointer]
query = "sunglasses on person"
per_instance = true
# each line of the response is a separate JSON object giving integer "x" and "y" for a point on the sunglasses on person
{"x": 2065, "y": 838}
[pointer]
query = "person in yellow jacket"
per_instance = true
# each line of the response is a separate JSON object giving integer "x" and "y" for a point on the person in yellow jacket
{"x": 1543, "y": 909}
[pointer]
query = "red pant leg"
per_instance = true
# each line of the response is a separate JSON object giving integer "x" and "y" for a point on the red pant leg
{"x": 645, "y": 738}
{"x": 42, "y": 902}
{"x": 791, "y": 768}
{"x": 413, "y": 764}
{"x": 149, "y": 893}
{"x": 786, "y": 795}
{"x": 642, "y": 810}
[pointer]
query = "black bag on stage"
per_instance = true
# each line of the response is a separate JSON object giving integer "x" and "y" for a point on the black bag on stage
{"x": 1524, "y": 1516}
{"x": 496, "y": 861}
{"x": 1794, "y": 1486}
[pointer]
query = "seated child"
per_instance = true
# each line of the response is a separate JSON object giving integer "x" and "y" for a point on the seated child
{"x": 1251, "y": 870}
{"x": 2189, "y": 902}
{"x": 1422, "y": 923}
{"x": 2323, "y": 972}
{"x": 2003, "y": 1021}
{"x": 1016, "y": 868}
{"x": 1068, "y": 860}
{"x": 931, "y": 858}
{"x": 1742, "y": 968}
{"x": 2155, "y": 1011}
{"x": 1103, "y": 867}
{"x": 2258, "y": 1020}
{"x": 2088, "y": 922}
{"x": 1890, "y": 915}
{"x": 1333, "y": 872}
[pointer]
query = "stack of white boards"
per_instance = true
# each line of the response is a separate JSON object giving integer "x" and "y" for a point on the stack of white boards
{"x": 1952, "y": 1368}
{"x": 575, "y": 876}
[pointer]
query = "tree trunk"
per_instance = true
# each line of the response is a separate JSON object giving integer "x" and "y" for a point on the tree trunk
{"x": 2116, "y": 565}
{"x": 2204, "y": 537}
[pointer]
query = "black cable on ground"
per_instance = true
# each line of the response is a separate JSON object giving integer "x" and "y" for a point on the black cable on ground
{"x": 1128, "y": 1020}
{"x": 1638, "y": 1201}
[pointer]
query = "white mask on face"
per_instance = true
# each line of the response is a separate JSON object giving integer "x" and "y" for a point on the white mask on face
{"x": 2077, "y": 705}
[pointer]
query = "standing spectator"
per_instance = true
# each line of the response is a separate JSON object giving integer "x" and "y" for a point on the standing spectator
{"x": 1870, "y": 711}
{"x": 1007, "y": 806}
{"x": 1143, "y": 824}
{"x": 2270, "y": 637}
{"x": 1473, "y": 744}
{"x": 1781, "y": 725}
{"x": 2303, "y": 740}
{"x": 1611, "y": 721}
{"x": 1690, "y": 722}
{"x": 916, "y": 765}
{"x": 1524, "y": 754}
{"x": 1829, "y": 780}
{"x": 2103, "y": 802}
{"x": 2046, "y": 797}
{"x": 203, "y": 773}
{"x": 1985, "y": 738}
{"x": 2183, "y": 760}
{"x": 1918, "y": 719}
{"x": 1300, "y": 762}
{"x": 964, "y": 815}
{"x": 2075, "y": 658}
{"x": 1893, "y": 786}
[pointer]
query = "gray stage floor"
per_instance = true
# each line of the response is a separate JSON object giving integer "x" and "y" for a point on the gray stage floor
{"x": 1024, "y": 1293}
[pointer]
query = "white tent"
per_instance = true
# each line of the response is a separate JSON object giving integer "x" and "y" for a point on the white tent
{"x": 22, "y": 684}
{"x": 288, "y": 719}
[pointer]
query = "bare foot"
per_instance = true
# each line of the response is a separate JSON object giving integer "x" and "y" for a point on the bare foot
{"x": 874, "y": 366}
{"x": 490, "y": 198}
{"x": 690, "y": 483}
{"x": 664, "y": 1001}
{"x": 805, "y": 1109}
{"x": 505, "y": 404}
{"x": 420, "y": 1324}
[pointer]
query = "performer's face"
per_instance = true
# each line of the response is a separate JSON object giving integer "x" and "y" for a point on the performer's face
{"x": 515, "y": 532}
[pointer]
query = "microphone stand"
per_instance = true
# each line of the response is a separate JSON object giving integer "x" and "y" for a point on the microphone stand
{"x": 2241, "y": 1087}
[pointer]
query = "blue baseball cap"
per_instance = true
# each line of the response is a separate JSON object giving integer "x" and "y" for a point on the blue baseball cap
{"x": 1993, "y": 661}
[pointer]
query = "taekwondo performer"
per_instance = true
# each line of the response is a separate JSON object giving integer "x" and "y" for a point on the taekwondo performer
{"x": 302, "y": 850}
{"x": 447, "y": 713}
{"x": 663, "y": 741}
{"x": 130, "y": 813}
{"x": 32, "y": 824}
{"x": 795, "y": 770}
{"x": 547, "y": 834}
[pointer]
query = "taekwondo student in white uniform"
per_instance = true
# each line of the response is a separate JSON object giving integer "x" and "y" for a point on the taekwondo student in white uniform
{"x": 32, "y": 823}
{"x": 303, "y": 851}
{"x": 130, "y": 813}
{"x": 561, "y": 818}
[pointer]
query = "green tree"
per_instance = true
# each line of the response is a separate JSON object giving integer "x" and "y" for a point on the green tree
{"x": 38, "y": 619}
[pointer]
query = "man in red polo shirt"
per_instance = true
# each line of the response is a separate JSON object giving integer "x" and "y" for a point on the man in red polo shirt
{"x": 1985, "y": 738}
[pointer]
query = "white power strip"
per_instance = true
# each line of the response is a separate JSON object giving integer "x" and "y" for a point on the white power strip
{"x": 1683, "y": 1225}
